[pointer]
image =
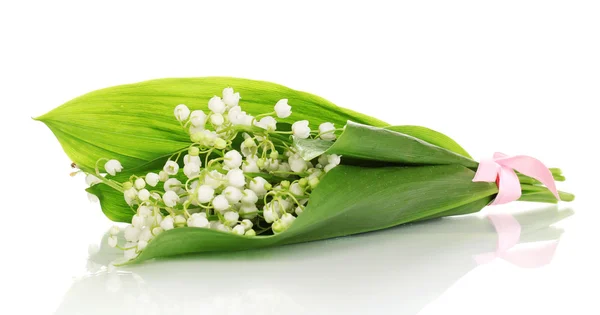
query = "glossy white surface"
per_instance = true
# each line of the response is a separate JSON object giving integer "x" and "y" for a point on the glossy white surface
{"x": 518, "y": 76}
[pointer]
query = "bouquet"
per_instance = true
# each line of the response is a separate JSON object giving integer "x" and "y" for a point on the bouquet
{"x": 224, "y": 164}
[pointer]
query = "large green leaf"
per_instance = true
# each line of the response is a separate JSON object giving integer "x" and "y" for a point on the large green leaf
{"x": 372, "y": 144}
{"x": 134, "y": 123}
{"x": 431, "y": 136}
{"x": 349, "y": 200}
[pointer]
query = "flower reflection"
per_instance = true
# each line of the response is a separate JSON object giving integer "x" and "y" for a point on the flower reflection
{"x": 405, "y": 267}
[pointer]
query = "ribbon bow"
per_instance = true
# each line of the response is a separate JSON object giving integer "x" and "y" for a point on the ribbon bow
{"x": 501, "y": 169}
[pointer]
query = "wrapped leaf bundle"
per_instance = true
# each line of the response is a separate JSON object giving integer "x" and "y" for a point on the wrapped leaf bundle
{"x": 241, "y": 171}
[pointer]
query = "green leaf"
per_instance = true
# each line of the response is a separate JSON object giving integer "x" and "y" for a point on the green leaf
{"x": 431, "y": 136}
{"x": 134, "y": 123}
{"x": 349, "y": 200}
{"x": 112, "y": 203}
{"x": 367, "y": 143}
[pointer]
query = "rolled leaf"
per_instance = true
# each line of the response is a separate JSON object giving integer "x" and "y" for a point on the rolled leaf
{"x": 368, "y": 143}
{"x": 376, "y": 198}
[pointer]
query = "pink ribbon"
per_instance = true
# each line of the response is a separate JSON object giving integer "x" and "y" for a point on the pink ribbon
{"x": 509, "y": 233}
{"x": 501, "y": 169}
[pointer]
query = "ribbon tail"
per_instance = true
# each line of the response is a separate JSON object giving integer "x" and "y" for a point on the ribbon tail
{"x": 509, "y": 186}
{"x": 532, "y": 167}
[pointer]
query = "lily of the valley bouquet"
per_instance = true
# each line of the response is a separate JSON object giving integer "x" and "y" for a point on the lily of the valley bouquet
{"x": 224, "y": 164}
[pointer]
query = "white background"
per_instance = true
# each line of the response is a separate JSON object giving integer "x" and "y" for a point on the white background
{"x": 521, "y": 77}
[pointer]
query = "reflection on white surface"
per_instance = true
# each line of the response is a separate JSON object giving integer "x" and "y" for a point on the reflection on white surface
{"x": 405, "y": 267}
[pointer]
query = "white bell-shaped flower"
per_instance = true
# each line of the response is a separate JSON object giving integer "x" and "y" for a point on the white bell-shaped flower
{"x": 132, "y": 233}
{"x": 167, "y": 223}
{"x": 205, "y": 193}
{"x": 239, "y": 230}
{"x": 282, "y": 109}
{"x": 214, "y": 179}
{"x": 170, "y": 198}
{"x": 247, "y": 224}
{"x": 217, "y": 119}
{"x": 197, "y": 220}
{"x": 268, "y": 123}
{"x": 171, "y": 168}
{"x": 220, "y": 203}
{"x": 144, "y": 194}
{"x": 270, "y": 215}
{"x": 248, "y": 210}
{"x": 182, "y": 112}
{"x": 249, "y": 196}
{"x": 230, "y": 98}
{"x": 287, "y": 219}
{"x": 92, "y": 180}
{"x": 192, "y": 159}
{"x": 233, "y": 194}
{"x": 130, "y": 195}
{"x": 236, "y": 178}
{"x": 172, "y": 184}
{"x": 232, "y": 159}
{"x": 326, "y": 130}
{"x": 296, "y": 189}
{"x": 113, "y": 167}
{"x": 198, "y": 118}
{"x": 216, "y": 105}
{"x": 191, "y": 170}
{"x": 152, "y": 179}
{"x": 231, "y": 218}
{"x": 258, "y": 185}
{"x": 297, "y": 163}
{"x": 300, "y": 129}
{"x": 334, "y": 159}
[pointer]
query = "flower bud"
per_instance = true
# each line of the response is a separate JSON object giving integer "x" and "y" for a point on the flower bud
{"x": 144, "y": 195}
{"x": 239, "y": 230}
{"x": 220, "y": 144}
{"x": 139, "y": 183}
{"x": 278, "y": 227}
{"x": 194, "y": 151}
{"x": 217, "y": 119}
{"x": 247, "y": 224}
{"x": 179, "y": 220}
{"x": 313, "y": 182}
{"x": 163, "y": 176}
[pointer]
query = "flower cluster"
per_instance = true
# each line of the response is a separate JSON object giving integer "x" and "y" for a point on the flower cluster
{"x": 240, "y": 174}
